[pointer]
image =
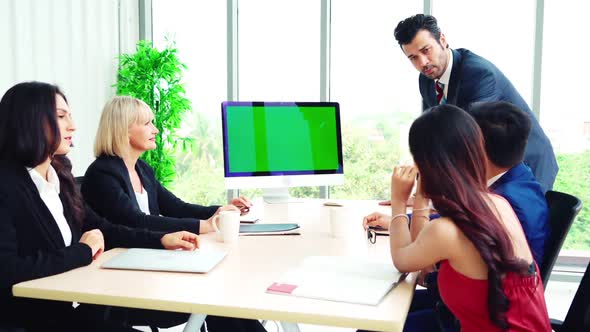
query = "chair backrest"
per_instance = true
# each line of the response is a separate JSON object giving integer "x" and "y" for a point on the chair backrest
{"x": 563, "y": 209}
{"x": 578, "y": 315}
{"x": 79, "y": 181}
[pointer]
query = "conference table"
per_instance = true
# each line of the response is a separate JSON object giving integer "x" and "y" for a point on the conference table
{"x": 236, "y": 287}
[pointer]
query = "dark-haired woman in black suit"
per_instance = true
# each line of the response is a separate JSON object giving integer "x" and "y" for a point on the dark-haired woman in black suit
{"x": 45, "y": 229}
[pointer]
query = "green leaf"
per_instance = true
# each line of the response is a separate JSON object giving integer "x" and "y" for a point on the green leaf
{"x": 155, "y": 77}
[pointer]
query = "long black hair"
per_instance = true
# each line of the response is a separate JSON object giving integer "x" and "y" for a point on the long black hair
{"x": 448, "y": 148}
{"x": 29, "y": 134}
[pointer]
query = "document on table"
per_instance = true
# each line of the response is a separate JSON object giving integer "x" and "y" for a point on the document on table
{"x": 337, "y": 278}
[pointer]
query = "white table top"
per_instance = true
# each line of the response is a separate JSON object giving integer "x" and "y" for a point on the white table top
{"x": 236, "y": 287}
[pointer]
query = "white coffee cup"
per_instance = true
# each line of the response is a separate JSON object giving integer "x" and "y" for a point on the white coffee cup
{"x": 342, "y": 222}
{"x": 228, "y": 229}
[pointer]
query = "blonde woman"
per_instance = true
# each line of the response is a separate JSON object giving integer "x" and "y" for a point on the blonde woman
{"x": 123, "y": 189}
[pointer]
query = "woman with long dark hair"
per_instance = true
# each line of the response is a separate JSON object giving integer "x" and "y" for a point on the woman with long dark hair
{"x": 487, "y": 274}
{"x": 45, "y": 228}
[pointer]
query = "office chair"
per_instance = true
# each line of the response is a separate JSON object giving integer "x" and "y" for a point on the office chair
{"x": 195, "y": 322}
{"x": 578, "y": 315}
{"x": 11, "y": 329}
{"x": 79, "y": 181}
{"x": 563, "y": 209}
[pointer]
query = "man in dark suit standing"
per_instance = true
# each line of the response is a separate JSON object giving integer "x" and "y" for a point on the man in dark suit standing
{"x": 460, "y": 77}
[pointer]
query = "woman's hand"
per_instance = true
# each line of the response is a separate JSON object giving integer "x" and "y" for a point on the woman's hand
{"x": 420, "y": 201}
{"x": 410, "y": 201}
{"x": 376, "y": 219}
{"x": 180, "y": 240}
{"x": 95, "y": 241}
{"x": 206, "y": 226}
{"x": 402, "y": 182}
{"x": 242, "y": 203}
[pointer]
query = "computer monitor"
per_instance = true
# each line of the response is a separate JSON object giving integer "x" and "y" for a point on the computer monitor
{"x": 276, "y": 145}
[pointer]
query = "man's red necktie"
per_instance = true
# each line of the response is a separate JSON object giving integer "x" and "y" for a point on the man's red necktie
{"x": 440, "y": 91}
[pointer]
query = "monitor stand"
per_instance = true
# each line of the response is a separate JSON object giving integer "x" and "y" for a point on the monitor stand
{"x": 278, "y": 196}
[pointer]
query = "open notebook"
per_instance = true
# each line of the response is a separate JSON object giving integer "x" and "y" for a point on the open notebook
{"x": 250, "y": 217}
{"x": 336, "y": 278}
{"x": 198, "y": 261}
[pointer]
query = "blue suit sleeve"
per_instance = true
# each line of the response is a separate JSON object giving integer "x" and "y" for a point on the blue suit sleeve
{"x": 481, "y": 87}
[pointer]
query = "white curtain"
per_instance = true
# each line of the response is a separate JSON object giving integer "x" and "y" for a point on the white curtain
{"x": 72, "y": 43}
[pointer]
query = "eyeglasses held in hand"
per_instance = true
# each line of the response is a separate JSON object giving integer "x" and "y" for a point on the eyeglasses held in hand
{"x": 371, "y": 235}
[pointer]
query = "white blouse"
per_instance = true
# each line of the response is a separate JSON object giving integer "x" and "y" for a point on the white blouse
{"x": 49, "y": 192}
{"x": 142, "y": 201}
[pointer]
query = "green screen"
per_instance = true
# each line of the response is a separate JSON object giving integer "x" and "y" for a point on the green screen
{"x": 282, "y": 138}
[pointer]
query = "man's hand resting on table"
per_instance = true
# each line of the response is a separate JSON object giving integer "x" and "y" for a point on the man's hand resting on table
{"x": 423, "y": 274}
{"x": 377, "y": 219}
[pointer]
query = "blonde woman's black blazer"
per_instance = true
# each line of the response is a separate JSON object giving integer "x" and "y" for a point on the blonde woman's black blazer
{"x": 107, "y": 189}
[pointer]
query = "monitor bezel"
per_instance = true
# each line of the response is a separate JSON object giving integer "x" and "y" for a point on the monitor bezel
{"x": 228, "y": 174}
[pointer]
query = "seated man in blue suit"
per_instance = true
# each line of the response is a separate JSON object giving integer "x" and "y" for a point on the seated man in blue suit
{"x": 505, "y": 129}
{"x": 460, "y": 77}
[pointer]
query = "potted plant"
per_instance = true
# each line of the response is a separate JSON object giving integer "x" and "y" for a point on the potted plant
{"x": 155, "y": 77}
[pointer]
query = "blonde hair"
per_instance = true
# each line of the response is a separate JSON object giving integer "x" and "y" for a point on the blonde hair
{"x": 118, "y": 115}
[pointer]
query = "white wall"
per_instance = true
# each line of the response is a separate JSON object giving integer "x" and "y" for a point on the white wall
{"x": 72, "y": 43}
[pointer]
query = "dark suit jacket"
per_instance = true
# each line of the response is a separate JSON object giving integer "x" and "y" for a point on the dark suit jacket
{"x": 475, "y": 79}
{"x": 31, "y": 246}
{"x": 519, "y": 187}
{"x": 107, "y": 189}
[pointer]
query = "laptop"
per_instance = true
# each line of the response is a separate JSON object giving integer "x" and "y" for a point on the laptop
{"x": 198, "y": 261}
{"x": 270, "y": 229}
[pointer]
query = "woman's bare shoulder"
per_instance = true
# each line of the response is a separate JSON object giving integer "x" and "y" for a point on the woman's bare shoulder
{"x": 444, "y": 228}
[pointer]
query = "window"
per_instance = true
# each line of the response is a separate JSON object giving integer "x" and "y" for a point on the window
{"x": 199, "y": 30}
{"x": 279, "y": 50}
{"x": 501, "y": 31}
{"x": 279, "y": 56}
{"x": 377, "y": 88}
{"x": 564, "y": 114}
